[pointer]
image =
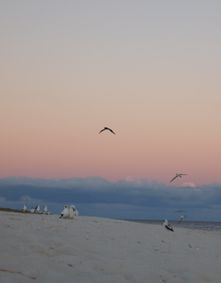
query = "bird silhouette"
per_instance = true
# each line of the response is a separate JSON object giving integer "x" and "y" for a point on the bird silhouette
{"x": 107, "y": 129}
{"x": 168, "y": 226}
{"x": 177, "y": 175}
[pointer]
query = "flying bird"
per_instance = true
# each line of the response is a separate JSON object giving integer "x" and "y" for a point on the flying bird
{"x": 107, "y": 129}
{"x": 177, "y": 175}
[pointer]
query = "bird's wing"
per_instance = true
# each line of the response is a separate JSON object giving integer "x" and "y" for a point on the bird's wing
{"x": 111, "y": 131}
{"x": 173, "y": 179}
{"x": 101, "y": 131}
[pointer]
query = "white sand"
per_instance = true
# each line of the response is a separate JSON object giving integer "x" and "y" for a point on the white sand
{"x": 44, "y": 248}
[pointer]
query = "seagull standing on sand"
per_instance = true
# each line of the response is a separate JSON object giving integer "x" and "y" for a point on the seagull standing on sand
{"x": 167, "y": 225}
{"x": 177, "y": 175}
{"x": 25, "y": 209}
{"x": 108, "y": 129}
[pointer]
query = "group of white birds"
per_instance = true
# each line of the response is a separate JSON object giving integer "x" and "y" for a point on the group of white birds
{"x": 36, "y": 209}
{"x": 69, "y": 212}
{"x": 178, "y": 175}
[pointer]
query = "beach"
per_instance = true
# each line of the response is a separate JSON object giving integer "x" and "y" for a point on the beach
{"x": 44, "y": 248}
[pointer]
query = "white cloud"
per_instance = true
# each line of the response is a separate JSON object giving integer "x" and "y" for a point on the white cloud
{"x": 189, "y": 185}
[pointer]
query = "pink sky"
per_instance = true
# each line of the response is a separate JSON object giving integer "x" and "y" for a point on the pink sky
{"x": 149, "y": 71}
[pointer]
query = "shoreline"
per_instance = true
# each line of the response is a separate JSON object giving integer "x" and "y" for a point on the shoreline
{"x": 188, "y": 224}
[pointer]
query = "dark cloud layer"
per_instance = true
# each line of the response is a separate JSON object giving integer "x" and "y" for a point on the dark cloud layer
{"x": 122, "y": 199}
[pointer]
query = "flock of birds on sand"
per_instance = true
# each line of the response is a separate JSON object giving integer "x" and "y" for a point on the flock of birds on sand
{"x": 178, "y": 175}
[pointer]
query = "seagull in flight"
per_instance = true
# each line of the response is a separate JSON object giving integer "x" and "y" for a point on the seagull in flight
{"x": 177, "y": 175}
{"x": 107, "y": 129}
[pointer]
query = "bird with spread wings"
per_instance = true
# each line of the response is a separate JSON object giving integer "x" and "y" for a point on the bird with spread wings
{"x": 107, "y": 129}
{"x": 177, "y": 175}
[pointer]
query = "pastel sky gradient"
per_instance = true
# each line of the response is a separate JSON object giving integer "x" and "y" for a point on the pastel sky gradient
{"x": 148, "y": 69}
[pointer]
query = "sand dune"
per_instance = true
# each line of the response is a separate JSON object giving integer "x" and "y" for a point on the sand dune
{"x": 44, "y": 248}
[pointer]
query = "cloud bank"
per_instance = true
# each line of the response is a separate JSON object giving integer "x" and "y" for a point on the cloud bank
{"x": 130, "y": 199}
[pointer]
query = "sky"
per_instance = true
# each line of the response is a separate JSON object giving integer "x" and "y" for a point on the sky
{"x": 150, "y": 70}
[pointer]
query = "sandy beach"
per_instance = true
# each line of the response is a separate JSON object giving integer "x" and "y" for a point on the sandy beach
{"x": 44, "y": 248}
